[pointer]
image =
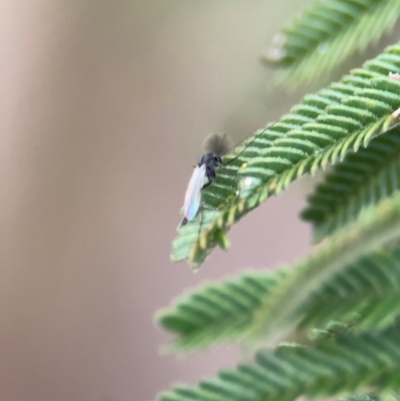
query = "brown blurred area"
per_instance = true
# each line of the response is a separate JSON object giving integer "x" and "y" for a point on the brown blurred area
{"x": 104, "y": 106}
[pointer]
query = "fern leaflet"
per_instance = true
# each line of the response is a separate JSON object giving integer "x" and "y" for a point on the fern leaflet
{"x": 318, "y": 132}
{"x": 326, "y": 34}
{"x": 363, "y": 179}
{"x": 324, "y": 369}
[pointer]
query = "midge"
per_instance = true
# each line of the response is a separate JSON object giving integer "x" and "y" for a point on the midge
{"x": 216, "y": 145}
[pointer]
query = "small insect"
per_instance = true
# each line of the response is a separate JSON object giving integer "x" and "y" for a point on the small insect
{"x": 216, "y": 145}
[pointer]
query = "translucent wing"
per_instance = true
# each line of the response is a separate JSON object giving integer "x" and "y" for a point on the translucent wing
{"x": 193, "y": 192}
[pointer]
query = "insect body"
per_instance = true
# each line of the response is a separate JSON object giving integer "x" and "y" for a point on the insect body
{"x": 216, "y": 145}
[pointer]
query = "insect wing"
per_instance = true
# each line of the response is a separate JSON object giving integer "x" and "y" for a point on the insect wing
{"x": 193, "y": 192}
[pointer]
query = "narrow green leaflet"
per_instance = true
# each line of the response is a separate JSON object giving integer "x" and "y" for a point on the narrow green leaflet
{"x": 318, "y": 132}
{"x": 327, "y": 33}
{"x": 363, "y": 179}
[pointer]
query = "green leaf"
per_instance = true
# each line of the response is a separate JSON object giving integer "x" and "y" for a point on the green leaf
{"x": 346, "y": 363}
{"x": 348, "y": 279}
{"x": 342, "y": 257}
{"x": 365, "y": 293}
{"x": 318, "y": 132}
{"x": 217, "y": 312}
{"x": 363, "y": 179}
{"x": 327, "y": 33}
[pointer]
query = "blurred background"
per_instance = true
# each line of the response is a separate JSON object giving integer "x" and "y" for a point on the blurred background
{"x": 104, "y": 107}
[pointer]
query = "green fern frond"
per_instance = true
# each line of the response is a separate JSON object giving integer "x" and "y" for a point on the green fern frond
{"x": 345, "y": 280}
{"x": 376, "y": 228}
{"x": 363, "y": 179}
{"x": 365, "y": 293}
{"x": 217, "y": 312}
{"x": 329, "y": 368}
{"x": 326, "y": 34}
{"x": 318, "y": 132}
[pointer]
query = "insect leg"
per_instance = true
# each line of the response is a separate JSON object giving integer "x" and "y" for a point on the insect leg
{"x": 210, "y": 176}
{"x": 206, "y": 185}
{"x": 201, "y": 223}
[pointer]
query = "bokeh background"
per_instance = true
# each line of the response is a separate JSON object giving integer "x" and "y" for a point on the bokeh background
{"x": 104, "y": 106}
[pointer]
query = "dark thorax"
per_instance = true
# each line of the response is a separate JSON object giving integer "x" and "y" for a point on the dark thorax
{"x": 211, "y": 162}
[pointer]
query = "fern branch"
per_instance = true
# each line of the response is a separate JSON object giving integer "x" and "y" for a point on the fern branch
{"x": 346, "y": 363}
{"x": 336, "y": 283}
{"x": 377, "y": 227}
{"x": 217, "y": 312}
{"x": 363, "y": 179}
{"x": 326, "y": 34}
{"x": 365, "y": 292}
{"x": 318, "y": 132}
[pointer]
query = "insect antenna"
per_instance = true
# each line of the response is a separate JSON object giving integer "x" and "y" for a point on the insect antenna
{"x": 254, "y": 138}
